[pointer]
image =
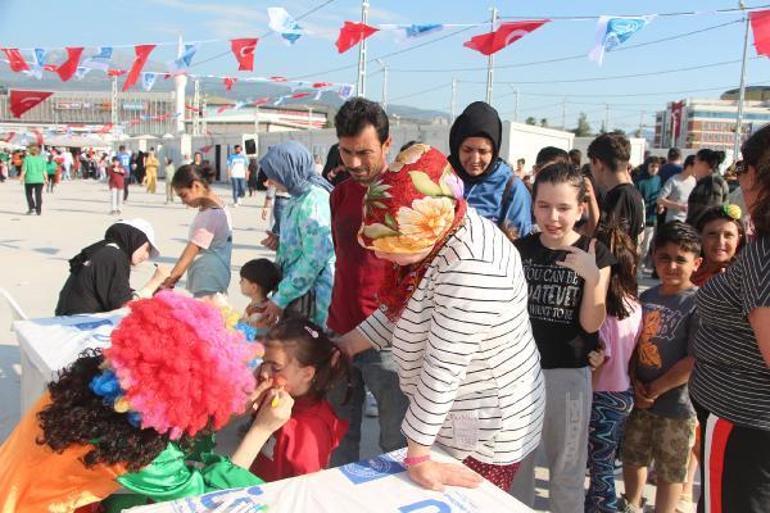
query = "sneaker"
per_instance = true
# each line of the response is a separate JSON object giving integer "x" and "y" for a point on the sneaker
{"x": 625, "y": 507}
{"x": 30, "y": 212}
{"x": 371, "y": 409}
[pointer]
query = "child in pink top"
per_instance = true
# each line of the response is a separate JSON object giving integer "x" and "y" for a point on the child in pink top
{"x": 612, "y": 397}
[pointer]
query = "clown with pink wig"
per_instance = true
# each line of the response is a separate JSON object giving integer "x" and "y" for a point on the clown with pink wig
{"x": 136, "y": 415}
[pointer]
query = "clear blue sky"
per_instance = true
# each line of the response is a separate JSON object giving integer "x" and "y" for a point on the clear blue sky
{"x": 55, "y": 23}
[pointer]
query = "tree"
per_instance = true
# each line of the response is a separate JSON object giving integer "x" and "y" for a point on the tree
{"x": 531, "y": 121}
{"x": 583, "y": 129}
{"x": 544, "y": 122}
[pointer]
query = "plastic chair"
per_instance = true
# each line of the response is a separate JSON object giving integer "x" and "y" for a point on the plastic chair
{"x": 17, "y": 314}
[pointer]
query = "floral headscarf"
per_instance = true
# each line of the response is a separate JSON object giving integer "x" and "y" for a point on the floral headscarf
{"x": 415, "y": 206}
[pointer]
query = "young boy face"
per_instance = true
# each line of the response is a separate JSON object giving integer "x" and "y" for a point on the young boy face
{"x": 249, "y": 289}
{"x": 675, "y": 265}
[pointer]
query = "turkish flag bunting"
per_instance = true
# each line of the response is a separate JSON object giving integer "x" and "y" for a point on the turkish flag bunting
{"x": 299, "y": 95}
{"x": 760, "y": 26}
{"x": 223, "y": 108}
{"x": 262, "y": 101}
{"x": 229, "y": 83}
{"x": 508, "y": 33}
{"x": 9, "y": 137}
{"x": 321, "y": 85}
{"x": 244, "y": 49}
{"x": 105, "y": 129}
{"x": 22, "y": 101}
{"x": 142, "y": 54}
{"x": 16, "y": 60}
{"x": 68, "y": 68}
{"x": 38, "y": 136}
{"x": 279, "y": 79}
{"x": 353, "y": 33}
{"x": 116, "y": 72}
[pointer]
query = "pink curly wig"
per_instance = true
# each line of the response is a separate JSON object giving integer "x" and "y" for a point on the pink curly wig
{"x": 181, "y": 368}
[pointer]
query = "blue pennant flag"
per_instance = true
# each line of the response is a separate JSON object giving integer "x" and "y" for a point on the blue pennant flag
{"x": 183, "y": 61}
{"x": 612, "y": 31}
{"x": 101, "y": 60}
{"x": 422, "y": 30}
{"x": 148, "y": 80}
{"x": 283, "y": 23}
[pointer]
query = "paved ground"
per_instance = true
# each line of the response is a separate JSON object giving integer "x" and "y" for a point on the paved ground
{"x": 33, "y": 266}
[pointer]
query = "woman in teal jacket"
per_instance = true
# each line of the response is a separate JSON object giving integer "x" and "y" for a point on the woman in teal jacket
{"x": 305, "y": 247}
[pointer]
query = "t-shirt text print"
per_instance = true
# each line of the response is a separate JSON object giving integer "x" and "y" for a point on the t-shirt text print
{"x": 555, "y": 293}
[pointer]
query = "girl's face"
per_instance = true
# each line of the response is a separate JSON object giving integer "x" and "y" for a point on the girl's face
{"x": 141, "y": 254}
{"x": 280, "y": 362}
{"x": 701, "y": 168}
{"x": 194, "y": 195}
{"x": 557, "y": 209}
{"x": 720, "y": 241}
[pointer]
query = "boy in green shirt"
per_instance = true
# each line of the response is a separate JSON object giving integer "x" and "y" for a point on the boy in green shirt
{"x": 33, "y": 176}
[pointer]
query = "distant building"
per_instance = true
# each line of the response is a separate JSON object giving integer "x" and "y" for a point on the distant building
{"x": 710, "y": 123}
{"x": 153, "y": 113}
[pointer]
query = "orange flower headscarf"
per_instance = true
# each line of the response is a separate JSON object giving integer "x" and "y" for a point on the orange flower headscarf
{"x": 414, "y": 207}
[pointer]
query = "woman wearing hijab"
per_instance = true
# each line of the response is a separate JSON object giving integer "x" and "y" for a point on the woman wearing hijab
{"x": 491, "y": 186}
{"x": 99, "y": 274}
{"x": 454, "y": 310}
{"x": 305, "y": 247}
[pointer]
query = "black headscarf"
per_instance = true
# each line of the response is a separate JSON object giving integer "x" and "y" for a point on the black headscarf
{"x": 479, "y": 119}
{"x": 125, "y": 236}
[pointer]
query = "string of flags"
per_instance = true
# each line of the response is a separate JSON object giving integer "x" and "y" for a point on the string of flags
{"x": 611, "y": 32}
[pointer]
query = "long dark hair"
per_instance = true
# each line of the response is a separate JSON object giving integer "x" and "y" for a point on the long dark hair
{"x": 77, "y": 416}
{"x": 186, "y": 175}
{"x": 308, "y": 344}
{"x": 623, "y": 287}
{"x": 756, "y": 153}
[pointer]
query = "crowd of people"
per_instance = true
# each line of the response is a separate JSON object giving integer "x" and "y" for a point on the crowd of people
{"x": 491, "y": 312}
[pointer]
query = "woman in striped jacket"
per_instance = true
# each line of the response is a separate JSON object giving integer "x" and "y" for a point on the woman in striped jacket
{"x": 455, "y": 313}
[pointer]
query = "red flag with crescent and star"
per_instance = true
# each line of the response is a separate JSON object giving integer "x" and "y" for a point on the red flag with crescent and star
{"x": 506, "y": 34}
{"x": 353, "y": 33}
{"x": 22, "y": 101}
{"x": 244, "y": 49}
{"x": 16, "y": 60}
{"x": 142, "y": 54}
{"x": 229, "y": 83}
{"x": 68, "y": 68}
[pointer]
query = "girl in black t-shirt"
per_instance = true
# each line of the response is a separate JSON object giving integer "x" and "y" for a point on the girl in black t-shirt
{"x": 568, "y": 275}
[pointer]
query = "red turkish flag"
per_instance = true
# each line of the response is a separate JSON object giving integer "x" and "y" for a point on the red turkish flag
{"x": 105, "y": 129}
{"x": 38, "y": 136}
{"x": 16, "y": 60}
{"x": 321, "y": 85}
{"x": 299, "y": 95}
{"x": 244, "y": 49}
{"x": 353, "y": 33}
{"x": 22, "y": 101}
{"x": 142, "y": 54}
{"x": 70, "y": 66}
{"x": 223, "y": 108}
{"x": 262, "y": 101}
{"x": 760, "y": 26}
{"x": 116, "y": 72}
{"x": 229, "y": 83}
{"x": 508, "y": 33}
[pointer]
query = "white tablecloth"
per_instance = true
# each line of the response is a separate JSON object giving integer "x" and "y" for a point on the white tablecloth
{"x": 373, "y": 486}
{"x": 51, "y": 344}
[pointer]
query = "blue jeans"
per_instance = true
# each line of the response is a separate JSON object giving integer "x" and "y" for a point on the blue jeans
{"x": 609, "y": 412}
{"x": 377, "y": 371}
{"x": 279, "y": 203}
{"x": 239, "y": 188}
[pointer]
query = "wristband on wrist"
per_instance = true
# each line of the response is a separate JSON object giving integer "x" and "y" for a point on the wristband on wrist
{"x": 412, "y": 461}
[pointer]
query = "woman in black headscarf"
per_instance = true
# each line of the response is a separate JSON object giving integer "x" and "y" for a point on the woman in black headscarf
{"x": 491, "y": 187}
{"x": 99, "y": 274}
